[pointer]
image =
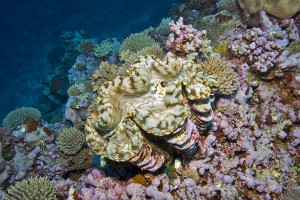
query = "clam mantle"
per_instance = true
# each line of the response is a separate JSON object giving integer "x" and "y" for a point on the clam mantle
{"x": 168, "y": 101}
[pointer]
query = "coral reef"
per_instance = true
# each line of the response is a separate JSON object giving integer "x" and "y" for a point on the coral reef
{"x": 54, "y": 94}
{"x": 80, "y": 97}
{"x": 218, "y": 24}
{"x": 80, "y": 161}
{"x": 31, "y": 189}
{"x": 197, "y": 122}
{"x": 70, "y": 140}
{"x": 18, "y": 116}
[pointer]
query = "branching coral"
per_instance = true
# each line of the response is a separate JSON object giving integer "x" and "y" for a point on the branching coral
{"x": 19, "y": 115}
{"x": 163, "y": 28}
{"x": 31, "y": 189}
{"x": 81, "y": 160}
{"x": 103, "y": 49}
{"x": 86, "y": 46}
{"x": 264, "y": 48}
{"x": 136, "y": 42}
{"x": 185, "y": 41}
{"x": 168, "y": 100}
{"x": 227, "y": 78}
{"x": 70, "y": 140}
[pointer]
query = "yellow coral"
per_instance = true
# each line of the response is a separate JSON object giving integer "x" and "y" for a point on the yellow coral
{"x": 227, "y": 78}
{"x": 279, "y": 8}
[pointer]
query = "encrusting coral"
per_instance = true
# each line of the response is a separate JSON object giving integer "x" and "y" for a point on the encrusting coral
{"x": 70, "y": 140}
{"x": 32, "y": 189}
{"x": 279, "y": 8}
{"x": 19, "y": 115}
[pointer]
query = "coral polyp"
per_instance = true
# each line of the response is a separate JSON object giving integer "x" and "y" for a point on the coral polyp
{"x": 166, "y": 100}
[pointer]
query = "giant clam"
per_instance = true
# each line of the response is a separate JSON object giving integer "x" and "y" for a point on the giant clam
{"x": 167, "y": 100}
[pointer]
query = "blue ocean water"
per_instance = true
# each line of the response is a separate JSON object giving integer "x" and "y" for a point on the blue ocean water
{"x": 30, "y": 30}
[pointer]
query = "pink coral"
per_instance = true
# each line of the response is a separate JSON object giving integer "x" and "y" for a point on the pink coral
{"x": 185, "y": 39}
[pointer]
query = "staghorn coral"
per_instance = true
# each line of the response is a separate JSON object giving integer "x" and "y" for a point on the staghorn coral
{"x": 282, "y": 9}
{"x": 136, "y": 42}
{"x": 19, "y": 115}
{"x": 168, "y": 100}
{"x": 70, "y": 140}
{"x": 32, "y": 189}
{"x": 226, "y": 76}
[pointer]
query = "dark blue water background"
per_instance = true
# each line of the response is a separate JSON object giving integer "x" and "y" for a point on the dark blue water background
{"x": 30, "y": 30}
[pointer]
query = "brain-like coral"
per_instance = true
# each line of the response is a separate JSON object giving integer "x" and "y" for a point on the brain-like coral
{"x": 31, "y": 189}
{"x": 70, "y": 140}
{"x": 19, "y": 115}
{"x": 167, "y": 101}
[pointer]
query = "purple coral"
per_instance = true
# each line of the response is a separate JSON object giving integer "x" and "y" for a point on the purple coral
{"x": 186, "y": 40}
{"x": 264, "y": 48}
